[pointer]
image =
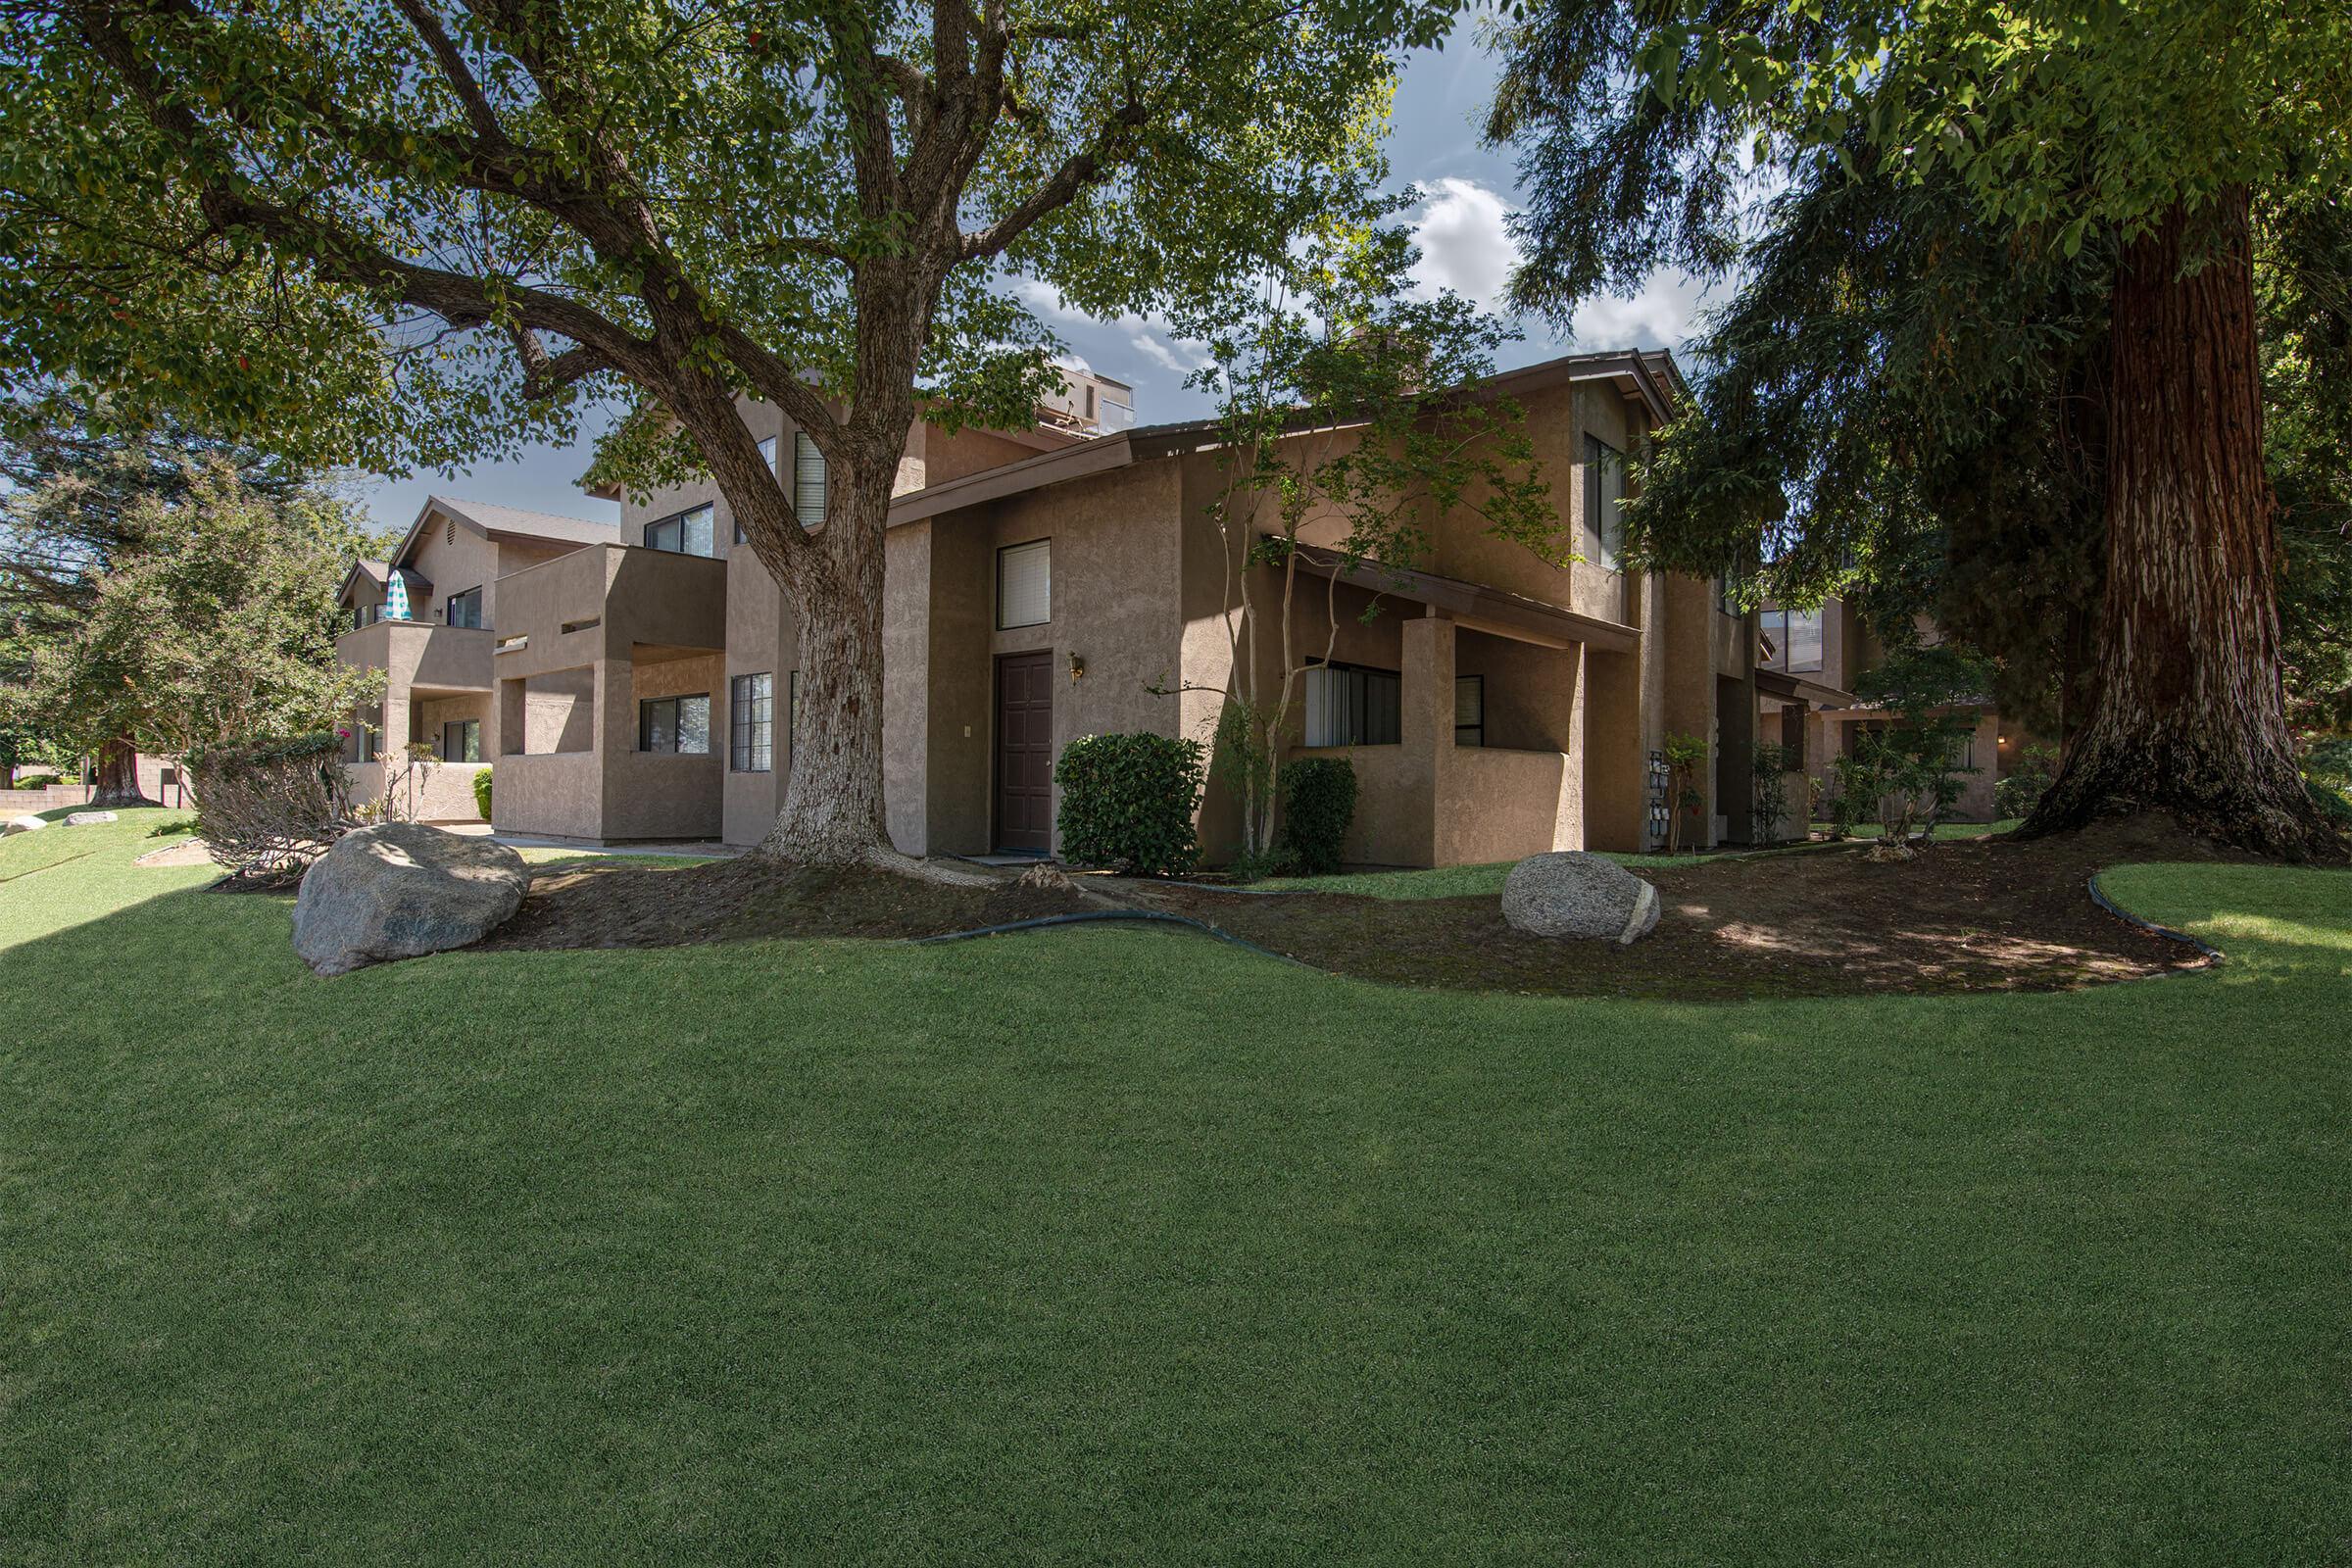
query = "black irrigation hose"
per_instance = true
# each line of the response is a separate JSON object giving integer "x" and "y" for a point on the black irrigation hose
{"x": 51, "y": 866}
{"x": 1155, "y": 916}
{"x": 2213, "y": 955}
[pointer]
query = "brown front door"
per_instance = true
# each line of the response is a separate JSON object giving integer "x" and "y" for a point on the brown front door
{"x": 1025, "y": 751}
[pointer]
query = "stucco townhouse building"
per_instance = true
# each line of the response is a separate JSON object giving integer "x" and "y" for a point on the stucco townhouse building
{"x": 1068, "y": 580}
{"x": 1807, "y": 663}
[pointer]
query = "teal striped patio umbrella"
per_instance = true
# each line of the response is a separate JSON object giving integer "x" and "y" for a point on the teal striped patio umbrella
{"x": 396, "y": 597}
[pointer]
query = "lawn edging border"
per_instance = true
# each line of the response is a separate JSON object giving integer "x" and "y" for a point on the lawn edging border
{"x": 1088, "y": 917}
{"x": 2213, "y": 955}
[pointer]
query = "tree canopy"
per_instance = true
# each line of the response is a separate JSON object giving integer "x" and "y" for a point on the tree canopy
{"x": 404, "y": 232}
{"x": 216, "y": 625}
{"x": 399, "y": 231}
{"x": 1993, "y": 349}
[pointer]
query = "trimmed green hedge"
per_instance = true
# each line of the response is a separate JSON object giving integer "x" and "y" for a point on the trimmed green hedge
{"x": 1318, "y": 802}
{"x": 482, "y": 793}
{"x": 1127, "y": 802}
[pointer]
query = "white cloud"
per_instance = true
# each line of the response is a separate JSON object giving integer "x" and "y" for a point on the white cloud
{"x": 1464, "y": 243}
{"x": 1662, "y": 316}
{"x": 1180, "y": 355}
{"x": 1466, "y": 246}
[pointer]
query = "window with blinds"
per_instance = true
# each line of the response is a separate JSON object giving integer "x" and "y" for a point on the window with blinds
{"x": 1350, "y": 706}
{"x": 1604, "y": 503}
{"x": 807, "y": 480}
{"x": 1025, "y": 584}
{"x": 1470, "y": 710}
{"x": 752, "y": 723}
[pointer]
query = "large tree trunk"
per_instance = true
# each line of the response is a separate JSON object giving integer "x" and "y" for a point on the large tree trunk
{"x": 119, "y": 775}
{"x": 833, "y": 809}
{"x": 2188, "y": 716}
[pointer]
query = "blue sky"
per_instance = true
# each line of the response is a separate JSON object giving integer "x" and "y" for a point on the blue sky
{"x": 1434, "y": 143}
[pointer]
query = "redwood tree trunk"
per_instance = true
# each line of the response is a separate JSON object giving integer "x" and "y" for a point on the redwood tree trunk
{"x": 833, "y": 809}
{"x": 2187, "y": 714}
{"x": 119, "y": 775}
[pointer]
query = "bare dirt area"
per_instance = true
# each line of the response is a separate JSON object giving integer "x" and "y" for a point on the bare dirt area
{"x": 1973, "y": 914}
{"x": 613, "y": 905}
{"x": 1981, "y": 914}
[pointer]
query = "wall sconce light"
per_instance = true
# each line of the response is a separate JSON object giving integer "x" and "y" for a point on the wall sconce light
{"x": 1077, "y": 669}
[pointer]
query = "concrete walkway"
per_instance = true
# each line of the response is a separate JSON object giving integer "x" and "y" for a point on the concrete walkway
{"x": 700, "y": 848}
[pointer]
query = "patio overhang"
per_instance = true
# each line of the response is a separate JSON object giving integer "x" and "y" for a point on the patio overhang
{"x": 1476, "y": 606}
{"x": 1787, "y": 688}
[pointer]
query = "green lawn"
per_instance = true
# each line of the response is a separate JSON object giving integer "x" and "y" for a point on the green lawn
{"x": 1944, "y": 830}
{"x": 1116, "y": 1244}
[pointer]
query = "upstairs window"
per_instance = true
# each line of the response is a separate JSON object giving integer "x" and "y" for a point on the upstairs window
{"x": 464, "y": 610}
{"x": 1347, "y": 705}
{"x": 1793, "y": 639}
{"x": 1025, "y": 584}
{"x": 675, "y": 725}
{"x": 752, "y": 723}
{"x": 1604, "y": 504}
{"x": 686, "y": 534}
{"x": 767, "y": 452}
{"x": 807, "y": 480}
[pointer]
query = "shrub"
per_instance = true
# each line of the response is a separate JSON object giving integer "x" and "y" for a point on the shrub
{"x": 1770, "y": 802}
{"x": 1127, "y": 802}
{"x": 482, "y": 793}
{"x": 35, "y": 781}
{"x": 1318, "y": 802}
{"x": 2333, "y": 803}
{"x": 2028, "y": 776}
{"x": 1686, "y": 757}
{"x": 268, "y": 811}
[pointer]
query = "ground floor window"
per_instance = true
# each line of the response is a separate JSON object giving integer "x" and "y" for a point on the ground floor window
{"x": 462, "y": 740}
{"x": 1470, "y": 710}
{"x": 1349, "y": 705}
{"x": 752, "y": 723}
{"x": 675, "y": 724}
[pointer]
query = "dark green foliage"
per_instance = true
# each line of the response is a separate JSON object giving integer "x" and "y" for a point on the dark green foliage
{"x": 482, "y": 793}
{"x": 1318, "y": 802}
{"x": 2333, "y": 803}
{"x": 2030, "y": 774}
{"x": 1127, "y": 802}
{"x": 1907, "y": 769}
{"x": 1770, "y": 804}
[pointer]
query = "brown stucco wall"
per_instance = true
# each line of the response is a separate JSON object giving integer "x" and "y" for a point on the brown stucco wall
{"x": 1114, "y": 561}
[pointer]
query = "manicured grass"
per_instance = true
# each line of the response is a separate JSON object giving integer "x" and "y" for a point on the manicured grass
{"x": 1944, "y": 830}
{"x": 1115, "y": 1244}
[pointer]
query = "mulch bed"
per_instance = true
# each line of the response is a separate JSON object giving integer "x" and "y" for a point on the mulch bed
{"x": 610, "y": 905}
{"x": 1971, "y": 914}
{"x": 1975, "y": 915}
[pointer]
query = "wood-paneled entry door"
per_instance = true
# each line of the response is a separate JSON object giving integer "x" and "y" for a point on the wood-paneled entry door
{"x": 1025, "y": 753}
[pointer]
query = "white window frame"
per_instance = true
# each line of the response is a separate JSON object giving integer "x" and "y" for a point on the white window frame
{"x": 1014, "y": 609}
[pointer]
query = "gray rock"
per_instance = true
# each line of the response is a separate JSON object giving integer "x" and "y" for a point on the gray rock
{"x": 400, "y": 890}
{"x": 23, "y": 824}
{"x": 85, "y": 818}
{"x": 1572, "y": 893}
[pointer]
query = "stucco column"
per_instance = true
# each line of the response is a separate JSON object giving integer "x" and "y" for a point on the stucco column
{"x": 1425, "y": 715}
